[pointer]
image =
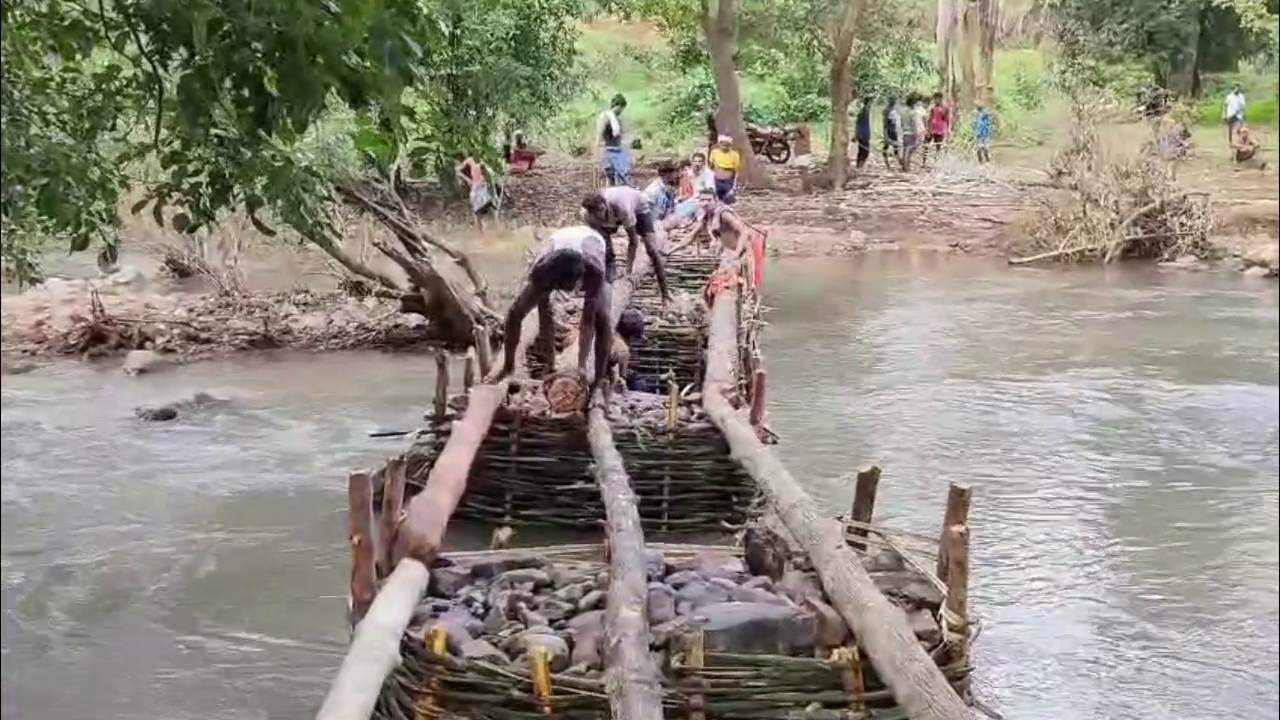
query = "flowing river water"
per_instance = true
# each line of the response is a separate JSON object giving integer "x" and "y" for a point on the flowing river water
{"x": 1121, "y": 431}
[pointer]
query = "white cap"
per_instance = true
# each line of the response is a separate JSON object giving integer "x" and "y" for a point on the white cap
{"x": 727, "y": 140}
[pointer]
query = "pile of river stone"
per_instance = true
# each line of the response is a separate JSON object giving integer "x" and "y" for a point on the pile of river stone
{"x": 498, "y": 610}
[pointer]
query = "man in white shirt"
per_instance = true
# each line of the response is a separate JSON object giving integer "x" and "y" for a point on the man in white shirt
{"x": 1233, "y": 111}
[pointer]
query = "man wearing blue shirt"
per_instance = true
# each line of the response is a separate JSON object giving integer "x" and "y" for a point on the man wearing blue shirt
{"x": 982, "y": 134}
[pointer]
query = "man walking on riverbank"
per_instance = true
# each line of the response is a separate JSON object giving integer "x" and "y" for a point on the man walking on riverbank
{"x": 1233, "y": 112}
{"x": 982, "y": 134}
{"x": 615, "y": 161}
{"x": 862, "y": 133}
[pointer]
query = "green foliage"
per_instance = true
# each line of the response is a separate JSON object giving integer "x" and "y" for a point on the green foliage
{"x": 225, "y": 96}
{"x": 1174, "y": 39}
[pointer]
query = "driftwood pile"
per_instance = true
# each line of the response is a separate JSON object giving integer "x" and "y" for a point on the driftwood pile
{"x": 518, "y": 634}
{"x": 1114, "y": 204}
{"x": 535, "y": 467}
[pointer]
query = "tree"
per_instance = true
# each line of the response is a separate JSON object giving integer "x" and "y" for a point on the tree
{"x": 718, "y": 23}
{"x": 1176, "y": 39}
{"x": 223, "y": 94}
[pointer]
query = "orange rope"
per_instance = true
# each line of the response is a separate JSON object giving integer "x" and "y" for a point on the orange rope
{"x": 719, "y": 280}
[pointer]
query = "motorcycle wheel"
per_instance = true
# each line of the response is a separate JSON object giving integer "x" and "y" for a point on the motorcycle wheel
{"x": 778, "y": 151}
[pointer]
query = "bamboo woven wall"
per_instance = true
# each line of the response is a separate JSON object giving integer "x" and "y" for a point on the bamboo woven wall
{"x": 537, "y": 470}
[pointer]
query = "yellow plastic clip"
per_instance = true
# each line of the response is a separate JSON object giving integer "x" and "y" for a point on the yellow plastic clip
{"x": 540, "y": 669}
{"x": 437, "y": 642}
{"x": 851, "y": 677}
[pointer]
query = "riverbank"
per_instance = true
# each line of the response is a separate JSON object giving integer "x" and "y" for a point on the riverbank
{"x": 102, "y": 318}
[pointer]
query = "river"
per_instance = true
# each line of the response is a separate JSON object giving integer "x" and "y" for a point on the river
{"x": 1121, "y": 431}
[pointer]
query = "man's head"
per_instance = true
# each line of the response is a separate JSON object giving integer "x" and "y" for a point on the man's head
{"x": 937, "y": 98}
{"x": 595, "y": 211}
{"x": 668, "y": 172}
{"x": 724, "y": 142}
{"x": 698, "y": 161}
{"x": 618, "y": 104}
{"x": 866, "y": 101}
{"x": 980, "y": 107}
{"x": 1235, "y": 88}
{"x": 630, "y": 326}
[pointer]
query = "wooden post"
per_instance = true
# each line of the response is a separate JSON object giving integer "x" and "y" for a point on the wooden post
{"x": 469, "y": 372}
{"x": 957, "y": 513}
{"x": 757, "y": 397}
{"x": 392, "y": 510}
{"x": 442, "y": 385}
{"x": 364, "y": 578}
{"x": 864, "y": 501}
{"x": 881, "y": 628}
{"x": 483, "y": 350}
{"x": 957, "y": 605}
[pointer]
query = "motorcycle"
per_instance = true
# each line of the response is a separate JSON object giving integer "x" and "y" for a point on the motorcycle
{"x": 772, "y": 142}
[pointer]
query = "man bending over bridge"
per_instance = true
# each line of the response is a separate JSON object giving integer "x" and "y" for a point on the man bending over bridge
{"x": 571, "y": 257}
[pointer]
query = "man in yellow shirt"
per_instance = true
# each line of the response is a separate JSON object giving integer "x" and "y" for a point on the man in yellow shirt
{"x": 725, "y": 163}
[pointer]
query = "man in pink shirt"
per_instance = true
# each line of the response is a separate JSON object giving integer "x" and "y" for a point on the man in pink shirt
{"x": 939, "y": 126}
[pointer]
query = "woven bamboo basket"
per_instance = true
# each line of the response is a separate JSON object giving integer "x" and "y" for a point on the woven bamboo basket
{"x": 538, "y": 470}
{"x": 834, "y": 683}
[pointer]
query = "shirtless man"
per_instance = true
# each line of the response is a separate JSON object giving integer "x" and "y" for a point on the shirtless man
{"x": 721, "y": 223}
{"x": 631, "y": 210}
{"x": 571, "y": 257}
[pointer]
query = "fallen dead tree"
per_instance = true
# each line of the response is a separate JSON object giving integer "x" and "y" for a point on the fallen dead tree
{"x": 915, "y": 679}
{"x": 1108, "y": 204}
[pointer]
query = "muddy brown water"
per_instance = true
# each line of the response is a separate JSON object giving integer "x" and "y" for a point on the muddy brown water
{"x": 1121, "y": 430}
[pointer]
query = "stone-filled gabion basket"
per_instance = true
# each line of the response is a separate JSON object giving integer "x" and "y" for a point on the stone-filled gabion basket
{"x": 518, "y": 635}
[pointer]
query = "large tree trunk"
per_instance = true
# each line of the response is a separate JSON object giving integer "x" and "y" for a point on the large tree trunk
{"x": 721, "y": 32}
{"x": 945, "y": 36}
{"x": 968, "y": 40}
{"x": 841, "y": 97}
{"x": 882, "y": 630}
{"x": 988, "y": 31}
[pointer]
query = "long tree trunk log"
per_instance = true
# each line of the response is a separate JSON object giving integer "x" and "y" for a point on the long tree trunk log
{"x": 375, "y": 650}
{"x": 631, "y": 677}
{"x": 720, "y": 27}
{"x": 881, "y": 630}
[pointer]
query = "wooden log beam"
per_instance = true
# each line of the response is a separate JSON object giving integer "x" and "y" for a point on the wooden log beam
{"x": 375, "y": 649}
{"x": 631, "y": 677}
{"x": 917, "y": 683}
{"x": 632, "y": 680}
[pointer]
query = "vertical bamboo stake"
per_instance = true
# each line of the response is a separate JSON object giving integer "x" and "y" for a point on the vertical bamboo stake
{"x": 482, "y": 350}
{"x": 364, "y": 579}
{"x": 957, "y": 605}
{"x": 757, "y": 397}
{"x": 696, "y": 659}
{"x": 864, "y": 502}
{"x": 469, "y": 372}
{"x": 957, "y": 513}
{"x": 392, "y": 510}
{"x": 442, "y": 385}
{"x": 540, "y": 673}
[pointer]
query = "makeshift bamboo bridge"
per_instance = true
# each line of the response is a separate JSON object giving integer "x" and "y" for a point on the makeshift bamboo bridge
{"x": 807, "y": 616}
